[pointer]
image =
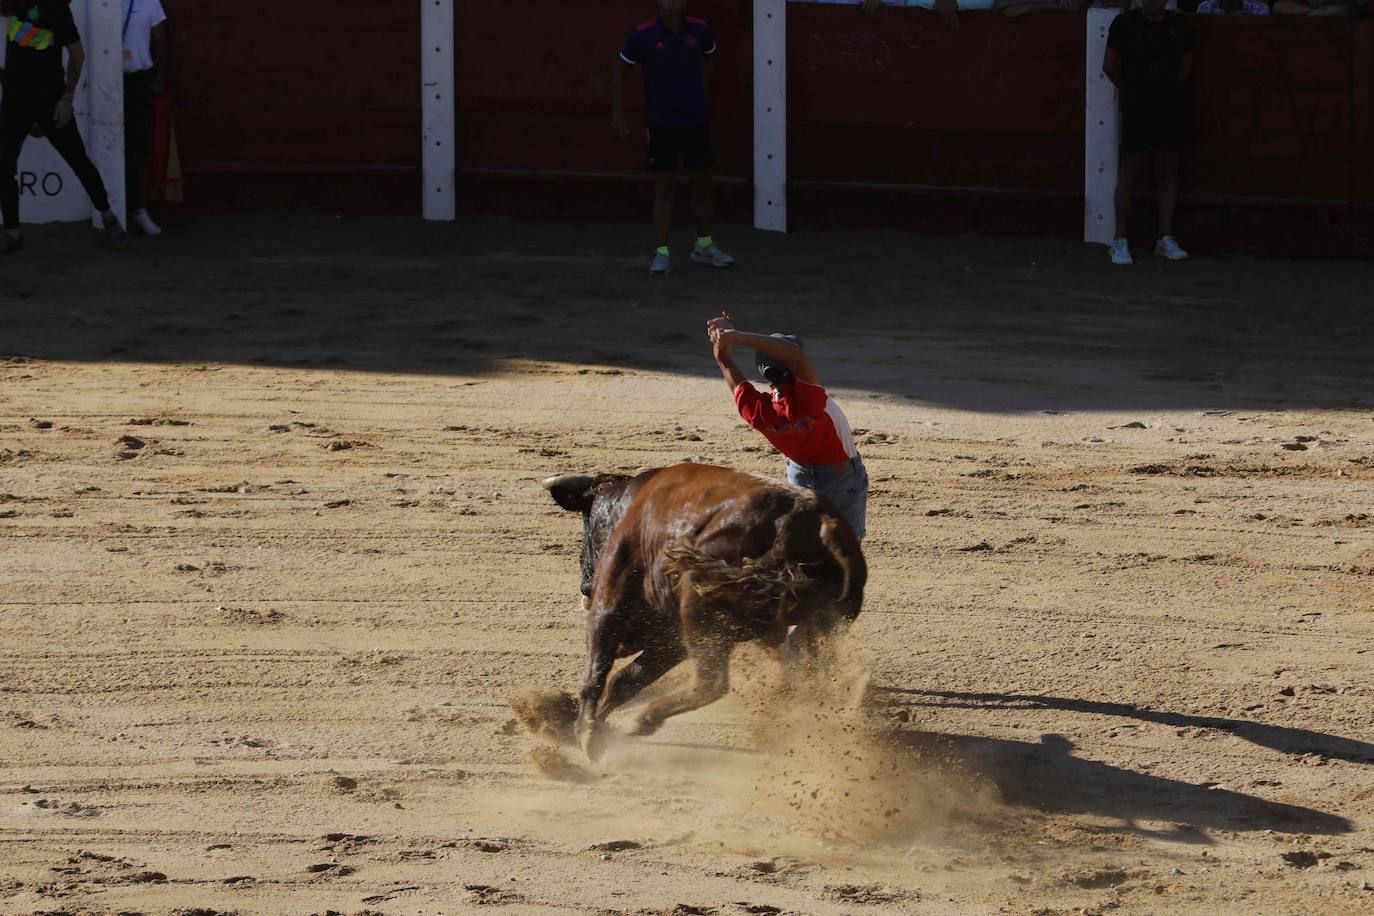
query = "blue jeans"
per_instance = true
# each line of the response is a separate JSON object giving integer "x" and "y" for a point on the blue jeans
{"x": 849, "y": 491}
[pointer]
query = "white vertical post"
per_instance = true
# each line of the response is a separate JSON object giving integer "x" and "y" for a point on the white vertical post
{"x": 439, "y": 155}
{"x": 103, "y": 39}
{"x": 1100, "y": 136}
{"x": 770, "y": 115}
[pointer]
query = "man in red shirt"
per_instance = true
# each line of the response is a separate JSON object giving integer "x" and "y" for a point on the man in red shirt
{"x": 799, "y": 419}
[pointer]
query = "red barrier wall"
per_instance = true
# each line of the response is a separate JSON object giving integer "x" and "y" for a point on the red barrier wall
{"x": 893, "y": 114}
{"x": 534, "y": 86}
{"x": 308, "y": 85}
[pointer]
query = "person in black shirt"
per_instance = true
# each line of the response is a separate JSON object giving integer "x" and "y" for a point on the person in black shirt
{"x": 1149, "y": 56}
{"x": 38, "y": 94}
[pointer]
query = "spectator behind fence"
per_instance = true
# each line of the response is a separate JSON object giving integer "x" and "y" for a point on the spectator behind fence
{"x": 1337, "y": 8}
{"x": 674, "y": 50}
{"x": 38, "y": 93}
{"x": 1149, "y": 55}
{"x": 145, "y": 76}
{"x": 1233, "y": 8}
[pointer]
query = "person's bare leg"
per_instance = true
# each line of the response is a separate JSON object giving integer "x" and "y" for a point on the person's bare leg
{"x": 1126, "y": 172}
{"x": 1166, "y": 165}
{"x": 663, "y": 206}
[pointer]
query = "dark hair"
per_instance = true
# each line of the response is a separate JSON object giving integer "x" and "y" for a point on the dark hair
{"x": 773, "y": 369}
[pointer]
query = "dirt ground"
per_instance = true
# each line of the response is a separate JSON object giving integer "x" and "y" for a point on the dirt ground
{"x": 274, "y": 557}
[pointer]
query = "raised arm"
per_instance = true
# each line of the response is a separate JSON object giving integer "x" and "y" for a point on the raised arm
{"x": 723, "y": 328}
{"x": 720, "y": 348}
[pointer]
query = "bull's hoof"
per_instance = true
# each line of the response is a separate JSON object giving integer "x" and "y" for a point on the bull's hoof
{"x": 593, "y": 742}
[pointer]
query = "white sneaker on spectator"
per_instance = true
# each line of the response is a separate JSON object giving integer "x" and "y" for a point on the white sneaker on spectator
{"x": 1168, "y": 247}
{"x": 145, "y": 223}
{"x": 1121, "y": 253}
{"x": 711, "y": 255}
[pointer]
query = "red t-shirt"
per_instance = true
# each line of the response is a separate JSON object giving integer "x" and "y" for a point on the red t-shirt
{"x": 801, "y": 420}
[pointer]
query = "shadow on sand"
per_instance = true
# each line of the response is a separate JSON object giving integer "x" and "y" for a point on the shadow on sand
{"x": 977, "y": 323}
{"x": 1047, "y": 777}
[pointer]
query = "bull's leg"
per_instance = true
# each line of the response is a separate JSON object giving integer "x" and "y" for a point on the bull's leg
{"x": 651, "y": 665}
{"x": 603, "y": 640}
{"x": 710, "y": 682}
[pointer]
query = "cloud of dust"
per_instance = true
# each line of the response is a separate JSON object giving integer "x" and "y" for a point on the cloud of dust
{"x": 833, "y": 769}
{"x": 820, "y": 770}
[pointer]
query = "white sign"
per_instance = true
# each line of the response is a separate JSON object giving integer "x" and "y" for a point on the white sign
{"x": 48, "y": 190}
{"x": 1101, "y": 136}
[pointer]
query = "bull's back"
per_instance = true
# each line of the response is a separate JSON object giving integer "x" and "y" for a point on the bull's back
{"x": 704, "y": 502}
{"x": 733, "y": 517}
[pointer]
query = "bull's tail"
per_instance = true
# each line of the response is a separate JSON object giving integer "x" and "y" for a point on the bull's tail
{"x": 770, "y": 586}
{"x": 775, "y": 580}
{"x": 769, "y": 581}
{"x": 843, "y": 545}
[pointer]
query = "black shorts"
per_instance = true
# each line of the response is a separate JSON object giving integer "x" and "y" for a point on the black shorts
{"x": 1152, "y": 123}
{"x": 672, "y": 145}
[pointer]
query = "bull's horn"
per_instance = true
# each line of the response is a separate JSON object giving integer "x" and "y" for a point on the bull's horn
{"x": 570, "y": 481}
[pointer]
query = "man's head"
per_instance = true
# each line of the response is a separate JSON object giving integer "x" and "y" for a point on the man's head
{"x": 772, "y": 368}
{"x": 1155, "y": 8}
{"x": 672, "y": 11}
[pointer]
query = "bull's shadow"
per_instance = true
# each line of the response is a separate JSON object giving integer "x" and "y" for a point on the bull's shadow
{"x": 1296, "y": 741}
{"x": 1047, "y": 777}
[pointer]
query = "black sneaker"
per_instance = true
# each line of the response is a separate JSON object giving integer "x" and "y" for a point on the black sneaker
{"x": 13, "y": 245}
{"x": 115, "y": 234}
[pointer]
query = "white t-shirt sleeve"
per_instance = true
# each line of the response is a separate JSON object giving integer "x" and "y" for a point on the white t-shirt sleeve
{"x": 156, "y": 14}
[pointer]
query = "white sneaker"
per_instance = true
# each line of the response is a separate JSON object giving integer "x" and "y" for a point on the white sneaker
{"x": 1121, "y": 253}
{"x": 712, "y": 255}
{"x": 1168, "y": 247}
{"x": 145, "y": 223}
{"x": 661, "y": 263}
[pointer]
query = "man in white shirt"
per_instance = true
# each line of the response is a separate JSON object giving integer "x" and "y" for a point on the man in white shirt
{"x": 145, "y": 75}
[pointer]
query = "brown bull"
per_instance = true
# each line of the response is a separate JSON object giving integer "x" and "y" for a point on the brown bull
{"x": 682, "y": 563}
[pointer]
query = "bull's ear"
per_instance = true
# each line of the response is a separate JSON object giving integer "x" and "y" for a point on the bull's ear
{"x": 571, "y": 491}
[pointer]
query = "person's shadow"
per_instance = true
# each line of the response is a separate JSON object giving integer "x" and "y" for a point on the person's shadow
{"x": 1047, "y": 777}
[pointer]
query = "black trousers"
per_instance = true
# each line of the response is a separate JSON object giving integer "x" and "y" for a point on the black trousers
{"x": 22, "y": 108}
{"x": 138, "y": 128}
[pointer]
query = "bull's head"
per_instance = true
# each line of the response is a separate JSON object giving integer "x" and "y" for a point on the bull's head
{"x": 599, "y": 501}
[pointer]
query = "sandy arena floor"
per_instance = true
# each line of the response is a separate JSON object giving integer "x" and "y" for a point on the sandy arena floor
{"x": 274, "y": 556}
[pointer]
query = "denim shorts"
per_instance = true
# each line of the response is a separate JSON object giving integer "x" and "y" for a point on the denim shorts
{"x": 849, "y": 492}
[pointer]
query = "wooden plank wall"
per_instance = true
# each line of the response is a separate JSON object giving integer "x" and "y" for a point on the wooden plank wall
{"x": 891, "y": 111}
{"x": 535, "y": 95}
{"x": 307, "y": 86}
{"x": 900, "y": 98}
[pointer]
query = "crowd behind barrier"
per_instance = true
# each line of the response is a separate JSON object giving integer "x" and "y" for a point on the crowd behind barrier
{"x": 893, "y": 118}
{"x": 1356, "y": 9}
